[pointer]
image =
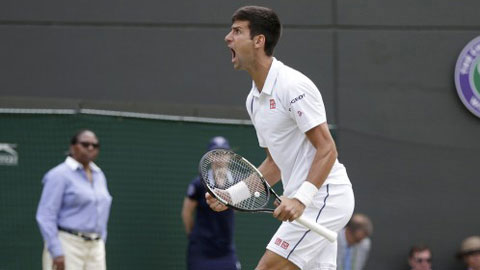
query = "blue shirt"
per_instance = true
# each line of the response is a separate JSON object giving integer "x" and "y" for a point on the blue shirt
{"x": 212, "y": 233}
{"x": 352, "y": 257}
{"x": 71, "y": 201}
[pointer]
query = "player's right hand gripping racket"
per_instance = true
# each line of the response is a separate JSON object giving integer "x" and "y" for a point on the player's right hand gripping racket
{"x": 238, "y": 184}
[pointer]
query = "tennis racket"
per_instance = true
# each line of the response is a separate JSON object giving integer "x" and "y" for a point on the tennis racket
{"x": 235, "y": 182}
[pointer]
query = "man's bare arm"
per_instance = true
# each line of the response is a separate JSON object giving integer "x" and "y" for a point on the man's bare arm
{"x": 188, "y": 209}
{"x": 325, "y": 156}
{"x": 270, "y": 170}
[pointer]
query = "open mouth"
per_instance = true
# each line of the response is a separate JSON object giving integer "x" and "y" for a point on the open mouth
{"x": 234, "y": 54}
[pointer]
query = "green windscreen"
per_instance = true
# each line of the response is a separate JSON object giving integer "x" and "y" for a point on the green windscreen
{"x": 148, "y": 164}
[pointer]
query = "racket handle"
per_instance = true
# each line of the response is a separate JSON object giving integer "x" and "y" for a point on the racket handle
{"x": 321, "y": 230}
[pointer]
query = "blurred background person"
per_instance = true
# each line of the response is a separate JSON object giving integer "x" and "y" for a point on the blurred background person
{"x": 210, "y": 234}
{"x": 470, "y": 252}
{"x": 354, "y": 243}
{"x": 420, "y": 257}
{"x": 74, "y": 208}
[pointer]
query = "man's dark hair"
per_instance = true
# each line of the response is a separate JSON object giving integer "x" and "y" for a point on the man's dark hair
{"x": 262, "y": 21}
{"x": 74, "y": 139}
{"x": 418, "y": 248}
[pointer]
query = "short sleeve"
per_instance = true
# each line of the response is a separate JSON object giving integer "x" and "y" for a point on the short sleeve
{"x": 306, "y": 105}
{"x": 261, "y": 140}
{"x": 194, "y": 189}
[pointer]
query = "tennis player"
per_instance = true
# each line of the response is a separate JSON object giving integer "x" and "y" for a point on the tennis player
{"x": 289, "y": 116}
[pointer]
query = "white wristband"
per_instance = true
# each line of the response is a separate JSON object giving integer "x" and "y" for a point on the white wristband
{"x": 306, "y": 192}
{"x": 239, "y": 192}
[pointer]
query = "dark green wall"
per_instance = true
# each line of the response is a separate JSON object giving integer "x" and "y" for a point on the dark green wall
{"x": 148, "y": 164}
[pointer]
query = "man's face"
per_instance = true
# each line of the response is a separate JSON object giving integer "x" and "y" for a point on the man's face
{"x": 473, "y": 260}
{"x": 421, "y": 260}
{"x": 220, "y": 170}
{"x": 358, "y": 236}
{"x": 86, "y": 148}
{"x": 241, "y": 45}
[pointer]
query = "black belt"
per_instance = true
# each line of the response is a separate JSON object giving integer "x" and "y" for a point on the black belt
{"x": 85, "y": 236}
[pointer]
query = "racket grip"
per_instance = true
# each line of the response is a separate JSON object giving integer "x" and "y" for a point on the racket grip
{"x": 319, "y": 229}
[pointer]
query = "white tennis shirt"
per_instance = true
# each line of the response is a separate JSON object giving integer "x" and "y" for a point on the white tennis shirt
{"x": 288, "y": 106}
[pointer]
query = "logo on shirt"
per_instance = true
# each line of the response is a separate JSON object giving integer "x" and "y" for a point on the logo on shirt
{"x": 191, "y": 190}
{"x": 297, "y": 98}
{"x": 278, "y": 241}
{"x": 272, "y": 104}
{"x": 300, "y": 113}
{"x": 283, "y": 244}
{"x": 8, "y": 155}
{"x": 467, "y": 76}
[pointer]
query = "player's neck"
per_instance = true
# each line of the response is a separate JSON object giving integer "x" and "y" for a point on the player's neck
{"x": 259, "y": 70}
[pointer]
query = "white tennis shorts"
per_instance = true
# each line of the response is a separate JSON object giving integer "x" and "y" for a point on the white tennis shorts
{"x": 333, "y": 206}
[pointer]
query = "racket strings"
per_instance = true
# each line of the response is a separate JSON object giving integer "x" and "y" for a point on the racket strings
{"x": 223, "y": 169}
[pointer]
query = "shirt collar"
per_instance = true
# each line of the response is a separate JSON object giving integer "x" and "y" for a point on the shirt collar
{"x": 270, "y": 80}
{"x": 74, "y": 164}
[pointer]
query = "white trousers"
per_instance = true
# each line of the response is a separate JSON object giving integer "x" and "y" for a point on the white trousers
{"x": 79, "y": 254}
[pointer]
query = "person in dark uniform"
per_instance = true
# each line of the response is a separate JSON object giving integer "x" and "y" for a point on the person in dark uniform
{"x": 210, "y": 234}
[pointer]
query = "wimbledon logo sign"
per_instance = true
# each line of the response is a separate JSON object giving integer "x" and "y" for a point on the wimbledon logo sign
{"x": 467, "y": 76}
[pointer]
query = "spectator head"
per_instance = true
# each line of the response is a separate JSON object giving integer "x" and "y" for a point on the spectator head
{"x": 218, "y": 142}
{"x": 470, "y": 252}
{"x": 420, "y": 257}
{"x": 358, "y": 228}
{"x": 84, "y": 146}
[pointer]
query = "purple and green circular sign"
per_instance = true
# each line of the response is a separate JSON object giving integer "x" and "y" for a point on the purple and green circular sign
{"x": 467, "y": 76}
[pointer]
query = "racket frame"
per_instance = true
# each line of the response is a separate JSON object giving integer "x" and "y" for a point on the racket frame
{"x": 264, "y": 182}
{"x": 309, "y": 224}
